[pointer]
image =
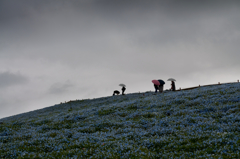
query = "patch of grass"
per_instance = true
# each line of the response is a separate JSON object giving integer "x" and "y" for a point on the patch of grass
{"x": 105, "y": 112}
{"x": 41, "y": 122}
{"x": 149, "y": 115}
{"x": 53, "y": 135}
{"x": 179, "y": 101}
{"x": 123, "y": 114}
{"x": 88, "y": 130}
{"x": 102, "y": 126}
{"x": 132, "y": 107}
{"x": 192, "y": 103}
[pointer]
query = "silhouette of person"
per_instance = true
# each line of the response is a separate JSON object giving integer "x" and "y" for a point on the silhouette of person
{"x": 160, "y": 87}
{"x": 173, "y": 88}
{"x": 123, "y": 90}
{"x": 116, "y": 92}
{"x": 156, "y": 88}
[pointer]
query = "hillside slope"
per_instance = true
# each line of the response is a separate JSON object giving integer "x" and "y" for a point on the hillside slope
{"x": 198, "y": 123}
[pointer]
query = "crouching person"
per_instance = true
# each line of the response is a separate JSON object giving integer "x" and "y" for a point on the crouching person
{"x": 116, "y": 92}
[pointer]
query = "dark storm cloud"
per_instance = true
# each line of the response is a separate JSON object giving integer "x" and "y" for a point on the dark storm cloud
{"x": 20, "y": 9}
{"x": 14, "y": 10}
{"x": 9, "y": 79}
{"x": 76, "y": 31}
{"x": 115, "y": 8}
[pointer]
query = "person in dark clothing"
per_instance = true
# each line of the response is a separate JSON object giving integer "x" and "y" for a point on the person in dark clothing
{"x": 173, "y": 88}
{"x": 116, "y": 92}
{"x": 160, "y": 87}
{"x": 156, "y": 88}
{"x": 123, "y": 90}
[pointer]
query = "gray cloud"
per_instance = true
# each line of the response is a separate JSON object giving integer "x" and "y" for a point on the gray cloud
{"x": 10, "y": 79}
{"x": 59, "y": 88}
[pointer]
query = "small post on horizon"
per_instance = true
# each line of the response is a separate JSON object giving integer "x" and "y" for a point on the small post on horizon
{"x": 238, "y": 81}
{"x": 218, "y": 82}
{"x": 199, "y": 85}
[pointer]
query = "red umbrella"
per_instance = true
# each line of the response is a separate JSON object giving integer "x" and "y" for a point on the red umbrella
{"x": 156, "y": 82}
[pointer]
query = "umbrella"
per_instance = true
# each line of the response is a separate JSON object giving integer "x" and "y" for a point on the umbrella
{"x": 123, "y": 85}
{"x": 171, "y": 79}
{"x": 161, "y": 82}
{"x": 156, "y": 82}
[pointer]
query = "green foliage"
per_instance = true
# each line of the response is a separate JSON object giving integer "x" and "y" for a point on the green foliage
{"x": 132, "y": 107}
{"x": 105, "y": 112}
{"x": 149, "y": 115}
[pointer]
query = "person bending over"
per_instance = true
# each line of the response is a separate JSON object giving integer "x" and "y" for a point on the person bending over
{"x": 116, "y": 92}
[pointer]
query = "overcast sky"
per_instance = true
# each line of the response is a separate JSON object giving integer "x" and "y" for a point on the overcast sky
{"x": 53, "y": 51}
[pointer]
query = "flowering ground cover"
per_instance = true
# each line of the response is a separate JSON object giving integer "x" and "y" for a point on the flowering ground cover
{"x": 198, "y": 123}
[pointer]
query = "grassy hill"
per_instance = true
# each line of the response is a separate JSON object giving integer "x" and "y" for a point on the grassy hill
{"x": 199, "y": 123}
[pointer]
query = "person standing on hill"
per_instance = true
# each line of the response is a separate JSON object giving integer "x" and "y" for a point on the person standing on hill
{"x": 160, "y": 87}
{"x": 173, "y": 88}
{"x": 123, "y": 90}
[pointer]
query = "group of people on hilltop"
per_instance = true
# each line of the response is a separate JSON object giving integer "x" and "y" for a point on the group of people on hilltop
{"x": 160, "y": 87}
{"x": 117, "y": 92}
{"x": 157, "y": 87}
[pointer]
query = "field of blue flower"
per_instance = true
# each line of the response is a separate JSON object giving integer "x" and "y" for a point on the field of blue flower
{"x": 199, "y": 123}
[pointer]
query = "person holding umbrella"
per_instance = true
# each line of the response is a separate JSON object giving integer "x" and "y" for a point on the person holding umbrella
{"x": 123, "y": 88}
{"x": 173, "y": 88}
{"x": 158, "y": 85}
{"x": 161, "y": 85}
